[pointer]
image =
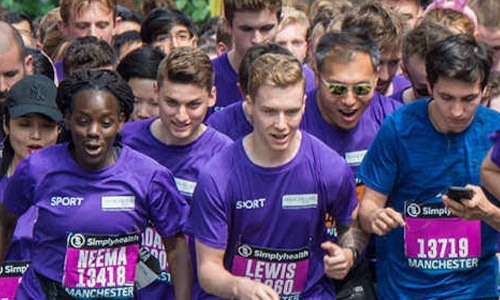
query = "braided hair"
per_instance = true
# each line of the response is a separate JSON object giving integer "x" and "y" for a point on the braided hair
{"x": 98, "y": 80}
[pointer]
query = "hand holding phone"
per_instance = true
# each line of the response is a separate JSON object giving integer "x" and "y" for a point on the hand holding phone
{"x": 456, "y": 193}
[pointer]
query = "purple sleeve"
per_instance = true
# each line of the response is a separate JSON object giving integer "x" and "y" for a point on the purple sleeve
{"x": 209, "y": 217}
{"x": 495, "y": 153}
{"x": 18, "y": 196}
{"x": 168, "y": 209}
{"x": 346, "y": 199}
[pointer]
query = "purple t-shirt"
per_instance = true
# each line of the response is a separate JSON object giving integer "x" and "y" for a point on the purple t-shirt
{"x": 399, "y": 83}
{"x": 398, "y": 97}
{"x": 309, "y": 75}
{"x": 231, "y": 121}
{"x": 59, "y": 70}
{"x": 495, "y": 153}
{"x": 250, "y": 211}
{"x": 185, "y": 162}
{"x": 352, "y": 144}
{"x": 226, "y": 80}
{"x": 22, "y": 238}
{"x": 78, "y": 208}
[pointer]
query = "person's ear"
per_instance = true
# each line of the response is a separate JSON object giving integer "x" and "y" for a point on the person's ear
{"x": 121, "y": 121}
{"x": 5, "y": 127}
{"x": 62, "y": 27}
{"x": 429, "y": 88}
{"x": 28, "y": 64}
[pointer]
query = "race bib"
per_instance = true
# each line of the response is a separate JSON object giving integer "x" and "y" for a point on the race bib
{"x": 10, "y": 277}
{"x": 283, "y": 270}
{"x": 101, "y": 266}
{"x": 153, "y": 260}
{"x": 437, "y": 240}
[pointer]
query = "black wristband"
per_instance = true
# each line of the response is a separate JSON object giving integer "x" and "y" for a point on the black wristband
{"x": 355, "y": 255}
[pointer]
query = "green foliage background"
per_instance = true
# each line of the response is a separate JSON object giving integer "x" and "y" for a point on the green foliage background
{"x": 199, "y": 10}
{"x": 34, "y": 8}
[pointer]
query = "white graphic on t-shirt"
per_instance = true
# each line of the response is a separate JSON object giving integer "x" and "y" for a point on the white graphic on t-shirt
{"x": 66, "y": 201}
{"x": 299, "y": 201}
{"x": 184, "y": 186}
{"x": 251, "y": 204}
{"x": 117, "y": 203}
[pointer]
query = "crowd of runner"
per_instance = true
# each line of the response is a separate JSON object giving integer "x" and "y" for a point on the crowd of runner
{"x": 349, "y": 149}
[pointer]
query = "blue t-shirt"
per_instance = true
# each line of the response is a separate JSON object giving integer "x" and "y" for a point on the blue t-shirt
{"x": 250, "y": 211}
{"x": 413, "y": 164}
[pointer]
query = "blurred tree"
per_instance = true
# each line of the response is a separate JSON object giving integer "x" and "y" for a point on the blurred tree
{"x": 33, "y": 8}
{"x": 199, "y": 10}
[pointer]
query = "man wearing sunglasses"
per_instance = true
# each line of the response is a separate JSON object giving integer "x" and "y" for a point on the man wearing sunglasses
{"x": 420, "y": 151}
{"x": 346, "y": 113}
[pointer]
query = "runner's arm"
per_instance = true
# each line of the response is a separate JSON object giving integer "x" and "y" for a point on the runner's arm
{"x": 374, "y": 217}
{"x": 216, "y": 280}
{"x": 179, "y": 264}
{"x": 352, "y": 241}
{"x": 8, "y": 223}
{"x": 490, "y": 176}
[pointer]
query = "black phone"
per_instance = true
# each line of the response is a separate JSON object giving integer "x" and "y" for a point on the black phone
{"x": 457, "y": 192}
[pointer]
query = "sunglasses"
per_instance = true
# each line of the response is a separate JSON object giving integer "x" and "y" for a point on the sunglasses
{"x": 422, "y": 92}
{"x": 339, "y": 89}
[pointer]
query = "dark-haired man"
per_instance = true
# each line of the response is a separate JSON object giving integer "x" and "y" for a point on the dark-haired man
{"x": 421, "y": 149}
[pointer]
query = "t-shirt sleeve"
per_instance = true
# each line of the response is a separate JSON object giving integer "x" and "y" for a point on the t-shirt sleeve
{"x": 208, "y": 218}
{"x": 19, "y": 193}
{"x": 167, "y": 209}
{"x": 380, "y": 166}
{"x": 346, "y": 199}
{"x": 495, "y": 153}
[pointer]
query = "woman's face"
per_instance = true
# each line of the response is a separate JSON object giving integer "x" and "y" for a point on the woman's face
{"x": 30, "y": 133}
{"x": 94, "y": 122}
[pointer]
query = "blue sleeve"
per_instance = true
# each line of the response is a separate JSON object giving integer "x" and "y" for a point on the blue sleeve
{"x": 380, "y": 167}
{"x": 19, "y": 193}
{"x": 208, "y": 218}
{"x": 168, "y": 209}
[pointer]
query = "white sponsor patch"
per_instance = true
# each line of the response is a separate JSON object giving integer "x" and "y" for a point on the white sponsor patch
{"x": 355, "y": 158}
{"x": 117, "y": 203}
{"x": 184, "y": 186}
{"x": 299, "y": 201}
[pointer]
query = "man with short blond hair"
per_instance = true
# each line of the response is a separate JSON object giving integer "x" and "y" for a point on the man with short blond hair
{"x": 250, "y": 195}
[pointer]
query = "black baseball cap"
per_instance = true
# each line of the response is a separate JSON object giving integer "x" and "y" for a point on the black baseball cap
{"x": 33, "y": 94}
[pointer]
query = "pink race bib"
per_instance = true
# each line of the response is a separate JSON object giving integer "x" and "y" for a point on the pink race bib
{"x": 10, "y": 277}
{"x": 437, "y": 240}
{"x": 283, "y": 270}
{"x": 101, "y": 266}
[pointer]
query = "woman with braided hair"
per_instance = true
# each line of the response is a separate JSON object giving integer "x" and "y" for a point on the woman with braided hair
{"x": 95, "y": 196}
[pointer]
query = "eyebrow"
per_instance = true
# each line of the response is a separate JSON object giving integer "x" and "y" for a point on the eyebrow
{"x": 340, "y": 82}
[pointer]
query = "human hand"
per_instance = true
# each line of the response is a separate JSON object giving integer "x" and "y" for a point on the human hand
{"x": 384, "y": 220}
{"x": 248, "y": 289}
{"x": 338, "y": 262}
{"x": 476, "y": 208}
